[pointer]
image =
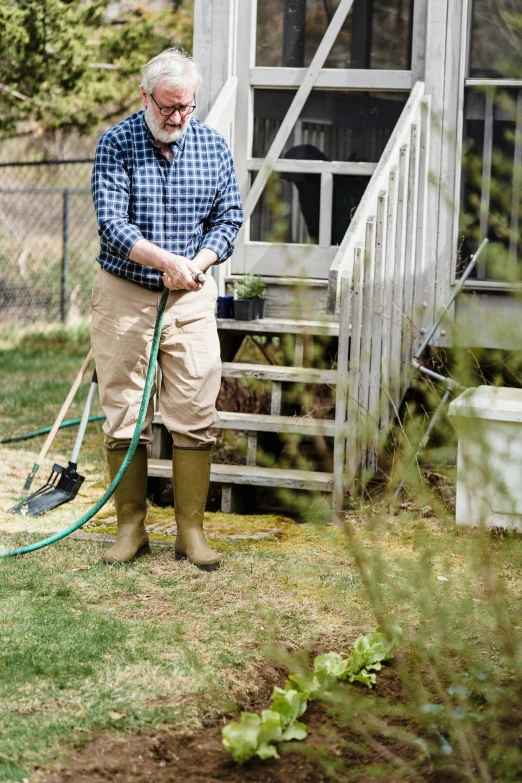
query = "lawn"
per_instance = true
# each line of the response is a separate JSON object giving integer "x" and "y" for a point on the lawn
{"x": 129, "y": 673}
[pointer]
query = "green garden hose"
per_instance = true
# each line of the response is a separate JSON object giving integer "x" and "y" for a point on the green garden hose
{"x": 130, "y": 453}
{"x": 46, "y": 430}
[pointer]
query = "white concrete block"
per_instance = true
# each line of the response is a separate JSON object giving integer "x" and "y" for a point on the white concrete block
{"x": 489, "y": 467}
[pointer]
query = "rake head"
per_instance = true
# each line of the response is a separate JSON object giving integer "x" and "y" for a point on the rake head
{"x": 61, "y": 487}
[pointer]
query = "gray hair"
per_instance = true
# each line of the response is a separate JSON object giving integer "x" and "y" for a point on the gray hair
{"x": 173, "y": 67}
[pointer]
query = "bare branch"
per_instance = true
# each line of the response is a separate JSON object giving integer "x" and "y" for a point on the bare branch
{"x": 104, "y": 66}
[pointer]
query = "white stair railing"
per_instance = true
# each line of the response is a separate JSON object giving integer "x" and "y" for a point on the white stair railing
{"x": 377, "y": 283}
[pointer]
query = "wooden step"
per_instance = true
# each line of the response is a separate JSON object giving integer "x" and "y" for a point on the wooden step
{"x": 257, "y": 422}
{"x": 270, "y": 372}
{"x": 254, "y": 476}
{"x": 328, "y": 328}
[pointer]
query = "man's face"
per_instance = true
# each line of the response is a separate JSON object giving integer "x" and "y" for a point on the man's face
{"x": 167, "y": 129}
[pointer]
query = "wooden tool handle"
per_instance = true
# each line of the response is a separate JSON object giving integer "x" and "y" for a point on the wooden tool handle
{"x": 65, "y": 408}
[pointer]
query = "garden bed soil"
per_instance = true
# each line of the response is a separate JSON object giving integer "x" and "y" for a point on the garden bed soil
{"x": 332, "y": 751}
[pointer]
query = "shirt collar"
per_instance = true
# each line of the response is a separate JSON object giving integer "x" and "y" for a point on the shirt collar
{"x": 179, "y": 142}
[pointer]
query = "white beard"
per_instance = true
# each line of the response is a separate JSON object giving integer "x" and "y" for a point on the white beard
{"x": 159, "y": 132}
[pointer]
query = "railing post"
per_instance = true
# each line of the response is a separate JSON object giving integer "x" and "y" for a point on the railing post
{"x": 65, "y": 253}
{"x": 342, "y": 393}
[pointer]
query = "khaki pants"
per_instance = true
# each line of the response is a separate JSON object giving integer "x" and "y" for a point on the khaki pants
{"x": 123, "y": 318}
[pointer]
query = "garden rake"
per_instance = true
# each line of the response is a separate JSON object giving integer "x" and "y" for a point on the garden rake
{"x": 63, "y": 484}
{"x": 56, "y": 426}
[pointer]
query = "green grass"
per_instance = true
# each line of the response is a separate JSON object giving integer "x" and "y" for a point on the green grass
{"x": 81, "y": 641}
{"x": 159, "y": 642}
{"x": 85, "y": 648}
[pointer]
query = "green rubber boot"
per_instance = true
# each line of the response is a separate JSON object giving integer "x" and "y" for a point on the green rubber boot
{"x": 130, "y": 499}
{"x": 190, "y": 480}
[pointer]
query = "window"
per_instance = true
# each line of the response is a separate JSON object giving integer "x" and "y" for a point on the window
{"x": 492, "y": 179}
{"x": 349, "y": 127}
{"x": 492, "y": 160}
{"x": 376, "y": 33}
{"x": 495, "y": 42}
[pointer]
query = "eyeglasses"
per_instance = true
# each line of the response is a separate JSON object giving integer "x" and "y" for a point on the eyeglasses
{"x": 168, "y": 111}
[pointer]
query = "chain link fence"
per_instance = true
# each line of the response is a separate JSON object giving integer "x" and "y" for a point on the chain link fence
{"x": 48, "y": 241}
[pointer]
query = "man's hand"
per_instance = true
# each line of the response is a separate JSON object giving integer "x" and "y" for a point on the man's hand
{"x": 177, "y": 270}
{"x": 178, "y": 274}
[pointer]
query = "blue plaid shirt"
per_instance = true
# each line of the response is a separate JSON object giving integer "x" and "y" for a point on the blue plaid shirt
{"x": 192, "y": 203}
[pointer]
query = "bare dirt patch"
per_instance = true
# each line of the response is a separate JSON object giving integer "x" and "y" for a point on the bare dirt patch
{"x": 332, "y": 751}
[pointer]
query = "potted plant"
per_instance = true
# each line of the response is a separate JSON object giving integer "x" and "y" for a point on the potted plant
{"x": 249, "y": 301}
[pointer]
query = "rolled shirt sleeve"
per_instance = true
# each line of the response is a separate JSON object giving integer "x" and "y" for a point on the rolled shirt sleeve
{"x": 111, "y": 192}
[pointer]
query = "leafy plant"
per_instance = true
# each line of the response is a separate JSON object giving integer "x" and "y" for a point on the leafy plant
{"x": 250, "y": 287}
{"x": 255, "y": 735}
{"x": 470, "y": 698}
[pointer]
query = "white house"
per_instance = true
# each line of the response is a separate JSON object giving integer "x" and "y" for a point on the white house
{"x": 376, "y": 143}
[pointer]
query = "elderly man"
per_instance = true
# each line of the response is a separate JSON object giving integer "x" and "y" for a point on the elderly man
{"x": 168, "y": 207}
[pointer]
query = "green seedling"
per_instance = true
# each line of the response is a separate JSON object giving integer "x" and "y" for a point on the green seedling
{"x": 253, "y": 735}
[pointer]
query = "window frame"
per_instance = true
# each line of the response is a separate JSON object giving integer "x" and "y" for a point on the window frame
{"x": 251, "y": 256}
{"x": 467, "y": 82}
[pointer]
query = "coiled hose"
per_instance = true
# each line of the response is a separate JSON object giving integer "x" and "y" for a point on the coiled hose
{"x": 130, "y": 452}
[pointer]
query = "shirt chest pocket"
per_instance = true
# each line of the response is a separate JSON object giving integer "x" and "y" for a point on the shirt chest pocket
{"x": 194, "y": 200}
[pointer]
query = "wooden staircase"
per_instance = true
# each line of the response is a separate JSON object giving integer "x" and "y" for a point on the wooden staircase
{"x": 236, "y": 479}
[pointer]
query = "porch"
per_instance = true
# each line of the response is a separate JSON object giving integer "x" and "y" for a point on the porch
{"x": 347, "y": 122}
